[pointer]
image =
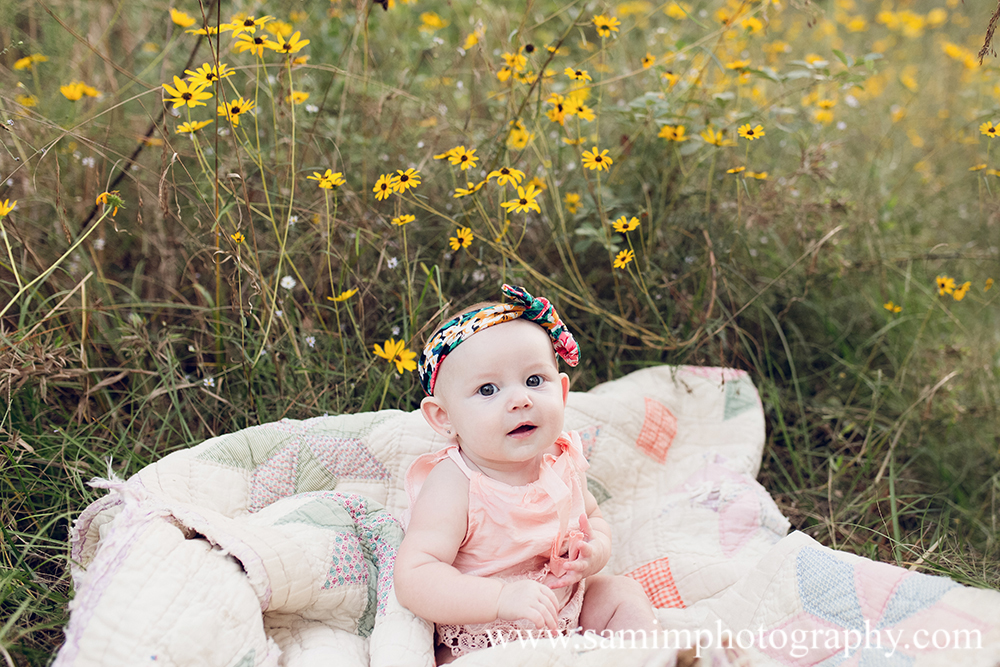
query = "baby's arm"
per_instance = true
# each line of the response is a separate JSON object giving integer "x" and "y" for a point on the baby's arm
{"x": 595, "y": 552}
{"x": 427, "y": 584}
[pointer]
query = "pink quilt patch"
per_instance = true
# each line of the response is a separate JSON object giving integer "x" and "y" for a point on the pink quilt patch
{"x": 658, "y": 583}
{"x": 275, "y": 478}
{"x": 658, "y": 431}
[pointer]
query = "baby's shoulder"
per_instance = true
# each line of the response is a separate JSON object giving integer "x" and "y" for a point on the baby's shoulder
{"x": 446, "y": 479}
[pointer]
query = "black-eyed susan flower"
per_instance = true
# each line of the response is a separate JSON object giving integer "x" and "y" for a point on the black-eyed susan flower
{"x": 525, "y": 201}
{"x": 181, "y": 19}
{"x": 575, "y": 107}
{"x": 738, "y": 64}
{"x": 595, "y": 160}
{"x": 716, "y": 138}
{"x": 736, "y": 170}
{"x": 448, "y": 153}
{"x": 205, "y": 30}
{"x": 462, "y": 158}
{"x": 404, "y": 180}
{"x": 297, "y": 97}
{"x": 945, "y": 285}
{"x": 538, "y": 183}
{"x": 515, "y": 61}
{"x": 238, "y": 237}
{"x": 461, "y": 239}
{"x": 506, "y": 175}
{"x": 978, "y": 167}
{"x": 605, "y": 24}
{"x": 623, "y": 224}
{"x": 75, "y": 90}
{"x": 343, "y": 296}
{"x": 959, "y": 293}
{"x": 395, "y": 351}
{"x": 112, "y": 199}
{"x": 6, "y": 206}
{"x": 190, "y": 127}
{"x": 405, "y": 219}
{"x": 572, "y": 201}
{"x": 892, "y": 307}
{"x": 648, "y": 60}
{"x": 26, "y": 100}
{"x": 207, "y": 74}
{"x": 253, "y": 43}
{"x": 431, "y": 22}
{"x": 28, "y": 62}
{"x": 623, "y": 258}
{"x": 504, "y": 73}
{"x": 989, "y": 129}
{"x": 986, "y": 287}
{"x": 759, "y": 175}
{"x": 577, "y": 74}
{"x": 247, "y": 24}
{"x": 383, "y": 187}
{"x": 234, "y": 109}
{"x": 469, "y": 189}
{"x": 673, "y": 133}
{"x": 328, "y": 180}
{"x": 289, "y": 46}
{"x": 670, "y": 78}
{"x": 751, "y": 133}
{"x": 183, "y": 94}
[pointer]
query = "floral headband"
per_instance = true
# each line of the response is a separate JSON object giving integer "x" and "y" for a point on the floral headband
{"x": 456, "y": 330}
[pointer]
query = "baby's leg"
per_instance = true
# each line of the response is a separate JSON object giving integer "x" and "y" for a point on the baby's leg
{"x": 616, "y": 603}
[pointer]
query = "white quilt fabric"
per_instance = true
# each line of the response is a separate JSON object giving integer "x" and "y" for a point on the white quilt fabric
{"x": 270, "y": 546}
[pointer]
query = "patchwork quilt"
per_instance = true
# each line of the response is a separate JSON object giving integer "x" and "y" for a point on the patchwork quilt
{"x": 275, "y": 546}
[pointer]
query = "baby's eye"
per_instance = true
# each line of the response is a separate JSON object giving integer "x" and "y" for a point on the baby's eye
{"x": 487, "y": 390}
{"x": 534, "y": 380}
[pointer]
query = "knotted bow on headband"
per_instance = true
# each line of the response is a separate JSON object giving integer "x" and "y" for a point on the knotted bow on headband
{"x": 456, "y": 330}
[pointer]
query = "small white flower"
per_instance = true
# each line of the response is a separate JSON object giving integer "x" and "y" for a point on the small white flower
{"x": 395, "y": 331}
{"x": 288, "y": 282}
{"x": 88, "y": 161}
{"x": 279, "y": 313}
{"x": 392, "y": 263}
{"x": 292, "y": 219}
{"x": 312, "y": 108}
{"x": 478, "y": 276}
{"x": 208, "y": 382}
{"x": 99, "y": 244}
{"x": 852, "y": 101}
{"x": 311, "y": 341}
{"x": 190, "y": 348}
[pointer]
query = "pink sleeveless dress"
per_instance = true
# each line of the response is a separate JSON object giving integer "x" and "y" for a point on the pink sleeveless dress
{"x": 515, "y": 532}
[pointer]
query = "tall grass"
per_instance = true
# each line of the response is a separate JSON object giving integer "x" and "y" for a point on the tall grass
{"x": 221, "y": 294}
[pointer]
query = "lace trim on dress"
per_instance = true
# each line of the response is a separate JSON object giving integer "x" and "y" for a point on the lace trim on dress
{"x": 462, "y": 639}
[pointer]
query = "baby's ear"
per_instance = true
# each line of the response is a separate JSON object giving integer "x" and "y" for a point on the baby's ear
{"x": 565, "y": 387}
{"x": 435, "y": 415}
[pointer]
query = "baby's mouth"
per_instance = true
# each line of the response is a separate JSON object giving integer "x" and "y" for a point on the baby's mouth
{"x": 523, "y": 429}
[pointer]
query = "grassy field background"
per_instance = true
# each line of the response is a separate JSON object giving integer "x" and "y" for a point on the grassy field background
{"x": 805, "y": 191}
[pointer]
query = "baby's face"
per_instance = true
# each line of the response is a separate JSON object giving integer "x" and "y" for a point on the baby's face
{"x": 503, "y": 394}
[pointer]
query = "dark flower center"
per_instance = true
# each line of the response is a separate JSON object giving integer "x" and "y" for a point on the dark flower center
{"x": 464, "y": 158}
{"x": 505, "y": 171}
{"x": 404, "y": 178}
{"x": 523, "y": 202}
{"x": 186, "y": 96}
{"x": 597, "y": 158}
{"x": 249, "y": 23}
{"x": 235, "y": 109}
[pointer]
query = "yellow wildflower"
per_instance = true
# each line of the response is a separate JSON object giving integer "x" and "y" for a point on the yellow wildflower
{"x": 461, "y": 239}
{"x": 396, "y": 352}
{"x": 623, "y": 258}
{"x": 596, "y": 161}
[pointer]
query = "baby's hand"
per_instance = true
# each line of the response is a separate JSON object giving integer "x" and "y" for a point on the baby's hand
{"x": 579, "y": 561}
{"x": 529, "y": 600}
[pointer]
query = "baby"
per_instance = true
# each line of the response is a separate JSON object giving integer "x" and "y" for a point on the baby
{"x": 503, "y": 537}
